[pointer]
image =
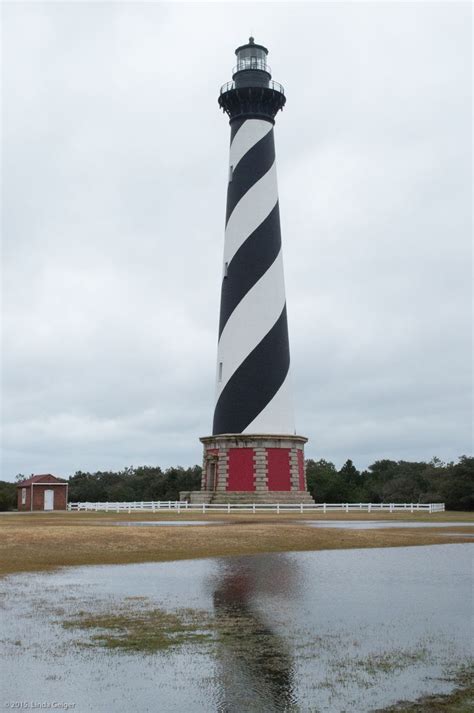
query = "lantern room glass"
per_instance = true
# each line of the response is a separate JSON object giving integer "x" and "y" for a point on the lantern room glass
{"x": 251, "y": 57}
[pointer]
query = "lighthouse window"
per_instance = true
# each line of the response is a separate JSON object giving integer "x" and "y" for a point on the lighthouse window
{"x": 231, "y": 171}
{"x": 220, "y": 371}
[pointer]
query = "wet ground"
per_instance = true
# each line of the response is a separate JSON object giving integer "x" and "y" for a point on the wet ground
{"x": 381, "y": 524}
{"x": 339, "y": 524}
{"x": 166, "y": 523}
{"x": 341, "y": 630}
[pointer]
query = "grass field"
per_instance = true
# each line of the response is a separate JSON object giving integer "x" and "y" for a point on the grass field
{"x": 40, "y": 541}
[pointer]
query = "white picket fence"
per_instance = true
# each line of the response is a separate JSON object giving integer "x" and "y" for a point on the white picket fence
{"x": 183, "y": 506}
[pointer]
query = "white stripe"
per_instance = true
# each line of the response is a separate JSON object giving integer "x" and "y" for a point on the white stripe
{"x": 251, "y": 320}
{"x": 250, "y": 211}
{"x": 247, "y": 136}
{"x": 277, "y": 416}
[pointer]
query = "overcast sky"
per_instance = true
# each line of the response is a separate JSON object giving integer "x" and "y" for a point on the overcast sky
{"x": 114, "y": 187}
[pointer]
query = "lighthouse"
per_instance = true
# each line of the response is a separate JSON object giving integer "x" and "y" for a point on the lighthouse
{"x": 253, "y": 453}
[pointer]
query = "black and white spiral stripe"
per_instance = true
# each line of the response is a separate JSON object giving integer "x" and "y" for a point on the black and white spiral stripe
{"x": 253, "y": 393}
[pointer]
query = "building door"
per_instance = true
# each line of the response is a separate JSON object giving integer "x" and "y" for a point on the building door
{"x": 212, "y": 472}
{"x": 49, "y": 499}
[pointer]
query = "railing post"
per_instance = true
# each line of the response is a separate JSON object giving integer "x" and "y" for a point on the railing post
{"x": 228, "y": 507}
{"x": 347, "y": 507}
{"x": 301, "y": 508}
{"x": 204, "y": 508}
{"x": 278, "y": 508}
{"x": 369, "y": 507}
{"x": 324, "y": 508}
{"x": 253, "y": 508}
{"x": 179, "y": 508}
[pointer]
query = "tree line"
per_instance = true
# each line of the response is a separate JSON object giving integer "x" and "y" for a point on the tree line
{"x": 382, "y": 482}
{"x": 389, "y": 481}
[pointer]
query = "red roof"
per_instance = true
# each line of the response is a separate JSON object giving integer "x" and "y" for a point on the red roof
{"x": 44, "y": 477}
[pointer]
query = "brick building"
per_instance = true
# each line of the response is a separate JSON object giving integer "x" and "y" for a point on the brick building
{"x": 42, "y": 492}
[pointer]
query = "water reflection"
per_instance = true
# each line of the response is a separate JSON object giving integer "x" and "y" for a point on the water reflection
{"x": 255, "y": 668}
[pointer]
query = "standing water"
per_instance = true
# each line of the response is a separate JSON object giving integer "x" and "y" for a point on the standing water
{"x": 318, "y": 631}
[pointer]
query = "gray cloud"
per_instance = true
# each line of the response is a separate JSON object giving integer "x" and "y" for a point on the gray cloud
{"x": 114, "y": 172}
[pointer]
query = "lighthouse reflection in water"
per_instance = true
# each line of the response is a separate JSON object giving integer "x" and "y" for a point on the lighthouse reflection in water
{"x": 253, "y": 659}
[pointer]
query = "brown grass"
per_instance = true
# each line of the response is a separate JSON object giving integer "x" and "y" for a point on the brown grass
{"x": 30, "y": 542}
{"x": 139, "y": 630}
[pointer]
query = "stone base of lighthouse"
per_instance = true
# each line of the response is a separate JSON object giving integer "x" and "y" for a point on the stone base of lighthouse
{"x": 252, "y": 468}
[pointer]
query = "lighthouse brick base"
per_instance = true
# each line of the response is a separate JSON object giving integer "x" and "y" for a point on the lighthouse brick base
{"x": 252, "y": 468}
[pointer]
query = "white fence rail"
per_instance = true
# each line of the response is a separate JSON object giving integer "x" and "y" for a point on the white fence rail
{"x": 183, "y": 506}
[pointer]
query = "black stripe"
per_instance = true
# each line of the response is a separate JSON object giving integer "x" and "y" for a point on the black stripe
{"x": 235, "y": 126}
{"x": 253, "y": 385}
{"x": 251, "y": 167}
{"x": 249, "y": 263}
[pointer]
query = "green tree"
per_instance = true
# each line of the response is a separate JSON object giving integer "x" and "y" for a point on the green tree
{"x": 350, "y": 482}
{"x": 7, "y": 496}
{"x": 323, "y": 481}
{"x": 456, "y": 484}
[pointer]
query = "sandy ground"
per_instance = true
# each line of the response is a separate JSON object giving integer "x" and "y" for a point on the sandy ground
{"x": 40, "y": 541}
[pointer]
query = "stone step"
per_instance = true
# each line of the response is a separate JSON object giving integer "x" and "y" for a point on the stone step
{"x": 271, "y": 497}
{"x": 198, "y": 497}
